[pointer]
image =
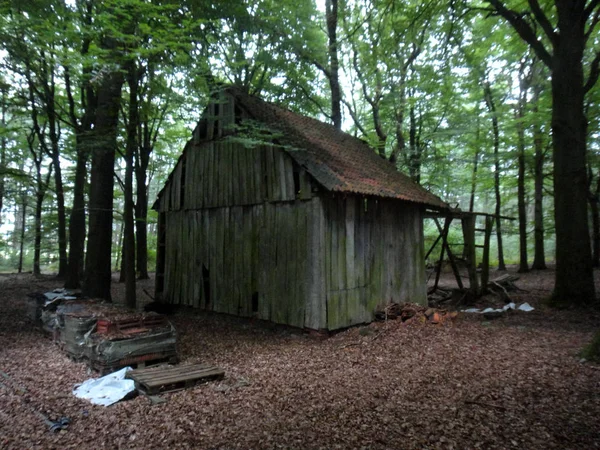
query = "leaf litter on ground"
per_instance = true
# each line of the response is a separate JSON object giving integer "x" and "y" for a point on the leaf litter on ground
{"x": 516, "y": 382}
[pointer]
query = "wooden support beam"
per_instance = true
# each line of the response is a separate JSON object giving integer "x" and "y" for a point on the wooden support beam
{"x": 450, "y": 254}
{"x": 443, "y": 234}
{"x": 485, "y": 260}
{"x": 468, "y": 226}
{"x": 433, "y": 246}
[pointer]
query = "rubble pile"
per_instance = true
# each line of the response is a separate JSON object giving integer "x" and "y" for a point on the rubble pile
{"x": 412, "y": 312}
{"x": 106, "y": 336}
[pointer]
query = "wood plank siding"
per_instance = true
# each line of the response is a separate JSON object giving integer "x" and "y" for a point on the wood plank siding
{"x": 373, "y": 255}
{"x": 225, "y": 173}
{"x": 245, "y": 260}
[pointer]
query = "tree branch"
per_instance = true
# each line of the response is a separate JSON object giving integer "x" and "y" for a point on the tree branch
{"x": 354, "y": 116}
{"x": 594, "y": 73}
{"x": 315, "y": 102}
{"x": 524, "y": 30}
{"x": 587, "y": 12}
{"x": 592, "y": 25}
{"x": 542, "y": 19}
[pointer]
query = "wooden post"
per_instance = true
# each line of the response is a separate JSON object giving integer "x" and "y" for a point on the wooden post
{"x": 485, "y": 260}
{"x": 160, "y": 256}
{"x": 468, "y": 226}
{"x": 433, "y": 246}
{"x": 444, "y": 236}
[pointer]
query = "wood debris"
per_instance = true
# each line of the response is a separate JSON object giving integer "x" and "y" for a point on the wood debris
{"x": 502, "y": 285}
{"x": 412, "y": 312}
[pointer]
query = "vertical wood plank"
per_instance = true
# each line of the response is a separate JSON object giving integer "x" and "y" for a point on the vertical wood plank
{"x": 259, "y": 184}
{"x": 305, "y": 185}
{"x": 288, "y": 172}
{"x": 281, "y": 174}
{"x": 316, "y": 310}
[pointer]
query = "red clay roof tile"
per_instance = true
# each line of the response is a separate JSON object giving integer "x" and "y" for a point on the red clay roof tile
{"x": 337, "y": 160}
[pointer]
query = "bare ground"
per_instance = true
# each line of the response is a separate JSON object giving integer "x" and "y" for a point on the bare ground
{"x": 515, "y": 382}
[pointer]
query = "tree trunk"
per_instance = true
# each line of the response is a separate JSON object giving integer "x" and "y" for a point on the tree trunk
{"x": 22, "y": 235}
{"x": 121, "y": 252}
{"x": 83, "y": 143}
{"x": 574, "y": 274}
{"x": 520, "y": 115}
{"x": 539, "y": 259}
{"x": 129, "y": 237}
{"x": 3, "y": 142}
{"x": 53, "y": 151}
{"x": 414, "y": 157}
{"x": 331, "y": 16}
{"x": 595, "y": 210}
{"x": 77, "y": 219}
{"x": 489, "y": 99}
{"x": 62, "y": 218}
{"x": 99, "y": 244}
{"x": 37, "y": 241}
{"x": 474, "y": 173}
{"x": 141, "y": 206}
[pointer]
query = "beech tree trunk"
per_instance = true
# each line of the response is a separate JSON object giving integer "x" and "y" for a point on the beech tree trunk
{"x": 520, "y": 114}
{"x": 83, "y": 143}
{"x": 414, "y": 158}
{"x": 62, "y": 217}
{"x": 54, "y": 153}
{"x": 37, "y": 240}
{"x": 3, "y": 142}
{"x": 22, "y": 234}
{"x": 474, "y": 173}
{"x": 331, "y": 17}
{"x": 539, "y": 258}
{"x": 489, "y": 100}
{"x": 47, "y": 75}
{"x": 141, "y": 206}
{"x": 594, "y": 198}
{"x": 77, "y": 219}
{"x": 99, "y": 244}
{"x": 574, "y": 275}
{"x": 128, "y": 213}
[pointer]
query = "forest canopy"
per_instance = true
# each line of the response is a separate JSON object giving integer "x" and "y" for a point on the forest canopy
{"x": 492, "y": 105}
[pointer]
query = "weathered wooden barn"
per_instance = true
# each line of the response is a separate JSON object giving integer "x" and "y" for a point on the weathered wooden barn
{"x": 273, "y": 215}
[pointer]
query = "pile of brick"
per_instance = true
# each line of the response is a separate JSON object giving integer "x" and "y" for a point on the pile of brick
{"x": 104, "y": 335}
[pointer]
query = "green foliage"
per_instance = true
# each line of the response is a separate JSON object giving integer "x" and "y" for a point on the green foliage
{"x": 412, "y": 75}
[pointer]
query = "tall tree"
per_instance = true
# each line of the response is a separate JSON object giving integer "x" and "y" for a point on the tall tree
{"x": 562, "y": 46}
{"x": 525, "y": 76}
{"x": 331, "y": 19}
{"x": 539, "y": 256}
{"x": 491, "y": 105}
{"x": 41, "y": 183}
{"x": 81, "y": 114}
{"x": 99, "y": 244}
{"x": 133, "y": 75}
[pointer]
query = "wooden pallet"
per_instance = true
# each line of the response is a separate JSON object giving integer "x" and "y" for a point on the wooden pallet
{"x": 167, "y": 378}
{"x": 139, "y": 362}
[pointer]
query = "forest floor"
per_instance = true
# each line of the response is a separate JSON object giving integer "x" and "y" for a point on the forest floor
{"x": 515, "y": 382}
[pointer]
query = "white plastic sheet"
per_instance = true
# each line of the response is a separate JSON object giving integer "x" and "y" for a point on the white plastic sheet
{"x": 106, "y": 390}
{"x": 524, "y": 307}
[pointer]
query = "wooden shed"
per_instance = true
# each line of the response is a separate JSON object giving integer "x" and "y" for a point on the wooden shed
{"x": 273, "y": 215}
